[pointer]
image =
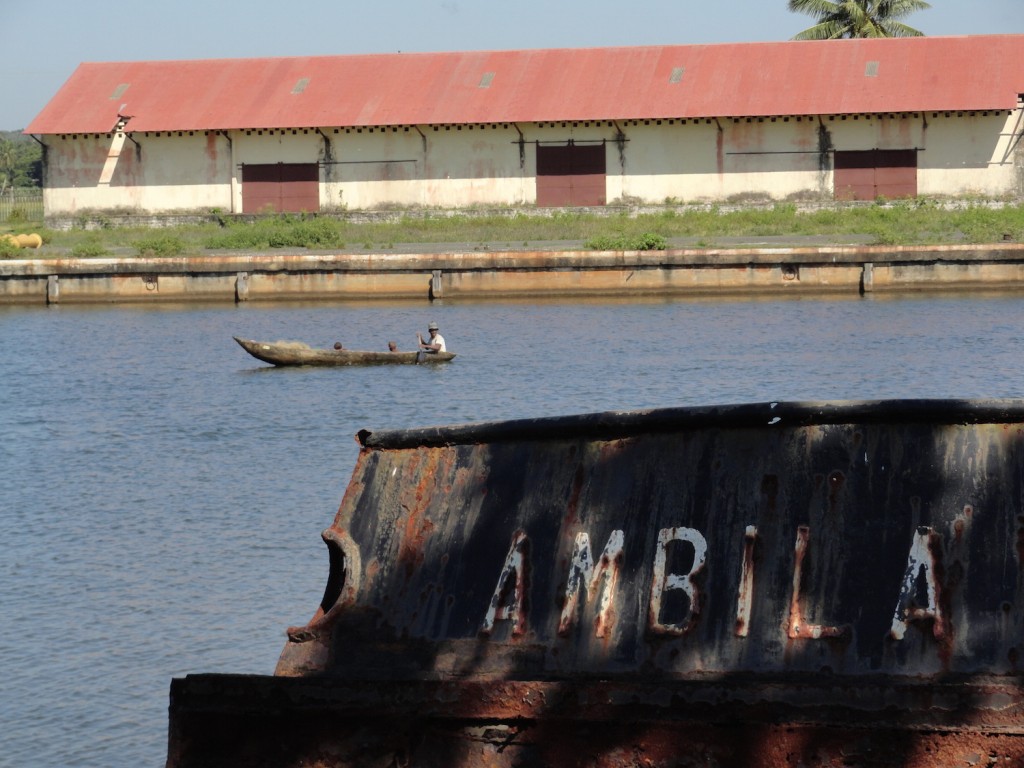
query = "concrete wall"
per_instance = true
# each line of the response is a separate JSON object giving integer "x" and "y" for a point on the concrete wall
{"x": 453, "y": 166}
{"x": 681, "y": 272}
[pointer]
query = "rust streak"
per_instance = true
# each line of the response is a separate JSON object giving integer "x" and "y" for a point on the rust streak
{"x": 798, "y": 627}
{"x": 746, "y": 590}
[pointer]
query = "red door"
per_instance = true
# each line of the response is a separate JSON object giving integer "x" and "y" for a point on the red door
{"x": 874, "y": 173}
{"x": 281, "y": 188}
{"x": 570, "y": 175}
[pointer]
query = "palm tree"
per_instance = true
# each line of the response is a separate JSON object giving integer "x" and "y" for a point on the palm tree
{"x": 857, "y": 18}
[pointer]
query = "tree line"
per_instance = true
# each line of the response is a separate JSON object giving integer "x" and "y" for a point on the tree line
{"x": 21, "y": 161}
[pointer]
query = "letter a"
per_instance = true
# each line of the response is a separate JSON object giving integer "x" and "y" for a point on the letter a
{"x": 506, "y": 604}
{"x": 920, "y": 559}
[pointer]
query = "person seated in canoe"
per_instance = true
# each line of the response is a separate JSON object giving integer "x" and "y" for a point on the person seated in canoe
{"x": 338, "y": 346}
{"x": 392, "y": 346}
{"x": 436, "y": 342}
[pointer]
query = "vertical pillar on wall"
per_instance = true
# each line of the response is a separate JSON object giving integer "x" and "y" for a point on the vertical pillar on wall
{"x": 113, "y": 154}
{"x": 620, "y": 142}
{"x": 522, "y": 167}
{"x": 426, "y": 167}
{"x": 867, "y": 277}
{"x": 826, "y": 161}
{"x": 436, "y": 291}
{"x": 328, "y": 161}
{"x": 1014, "y": 153}
{"x": 235, "y": 193}
{"x": 242, "y": 286}
{"x": 52, "y": 289}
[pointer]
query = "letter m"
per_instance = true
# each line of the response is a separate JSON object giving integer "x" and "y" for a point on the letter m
{"x": 592, "y": 577}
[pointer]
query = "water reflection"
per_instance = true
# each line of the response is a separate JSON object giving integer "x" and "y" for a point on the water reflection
{"x": 166, "y": 492}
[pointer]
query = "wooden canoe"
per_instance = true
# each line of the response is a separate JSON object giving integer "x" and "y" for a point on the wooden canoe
{"x": 283, "y": 353}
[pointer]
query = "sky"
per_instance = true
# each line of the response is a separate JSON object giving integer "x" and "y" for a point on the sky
{"x": 44, "y": 43}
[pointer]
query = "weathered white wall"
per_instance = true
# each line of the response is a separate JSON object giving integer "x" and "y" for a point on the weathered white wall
{"x": 166, "y": 172}
{"x": 719, "y": 160}
{"x": 961, "y": 153}
{"x": 442, "y": 166}
{"x": 655, "y": 161}
{"x": 961, "y": 158}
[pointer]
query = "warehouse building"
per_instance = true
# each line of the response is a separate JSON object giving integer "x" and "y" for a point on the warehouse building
{"x": 843, "y": 119}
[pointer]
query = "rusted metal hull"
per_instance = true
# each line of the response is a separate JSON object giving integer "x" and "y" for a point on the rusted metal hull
{"x": 736, "y": 722}
{"x": 772, "y": 584}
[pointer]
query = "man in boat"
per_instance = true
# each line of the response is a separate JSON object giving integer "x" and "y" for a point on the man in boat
{"x": 436, "y": 341}
{"x": 392, "y": 346}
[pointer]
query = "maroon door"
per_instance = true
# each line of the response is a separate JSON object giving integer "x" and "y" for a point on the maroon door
{"x": 874, "y": 173}
{"x": 280, "y": 187}
{"x": 570, "y": 175}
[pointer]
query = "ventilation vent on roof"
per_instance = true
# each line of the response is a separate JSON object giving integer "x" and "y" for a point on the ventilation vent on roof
{"x": 301, "y": 85}
{"x": 677, "y": 74}
{"x": 486, "y": 80}
{"x": 871, "y": 69}
{"x": 119, "y": 91}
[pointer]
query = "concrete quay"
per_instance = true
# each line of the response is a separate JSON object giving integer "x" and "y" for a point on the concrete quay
{"x": 481, "y": 273}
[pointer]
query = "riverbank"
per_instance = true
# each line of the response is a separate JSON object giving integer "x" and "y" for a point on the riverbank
{"x": 455, "y": 271}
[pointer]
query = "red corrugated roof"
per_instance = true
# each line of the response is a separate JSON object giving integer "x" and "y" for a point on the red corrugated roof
{"x": 741, "y": 79}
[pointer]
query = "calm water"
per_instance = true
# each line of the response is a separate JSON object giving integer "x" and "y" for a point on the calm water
{"x": 163, "y": 493}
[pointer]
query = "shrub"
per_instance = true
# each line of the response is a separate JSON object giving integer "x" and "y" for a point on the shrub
{"x": 8, "y": 250}
{"x": 650, "y": 241}
{"x": 89, "y": 249}
{"x": 160, "y": 245}
{"x": 316, "y": 233}
{"x": 279, "y": 232}
{"x": 647, "y": 241}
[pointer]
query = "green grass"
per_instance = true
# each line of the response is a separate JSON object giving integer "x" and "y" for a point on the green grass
{"x": 645, "y": 242}
{"x": 278, "y": 232}
{"x": 91, "y": 248}
{"x": 8, "y": 250}
{"x": 162, "y": 243}
{"x": 900, "y": 223}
